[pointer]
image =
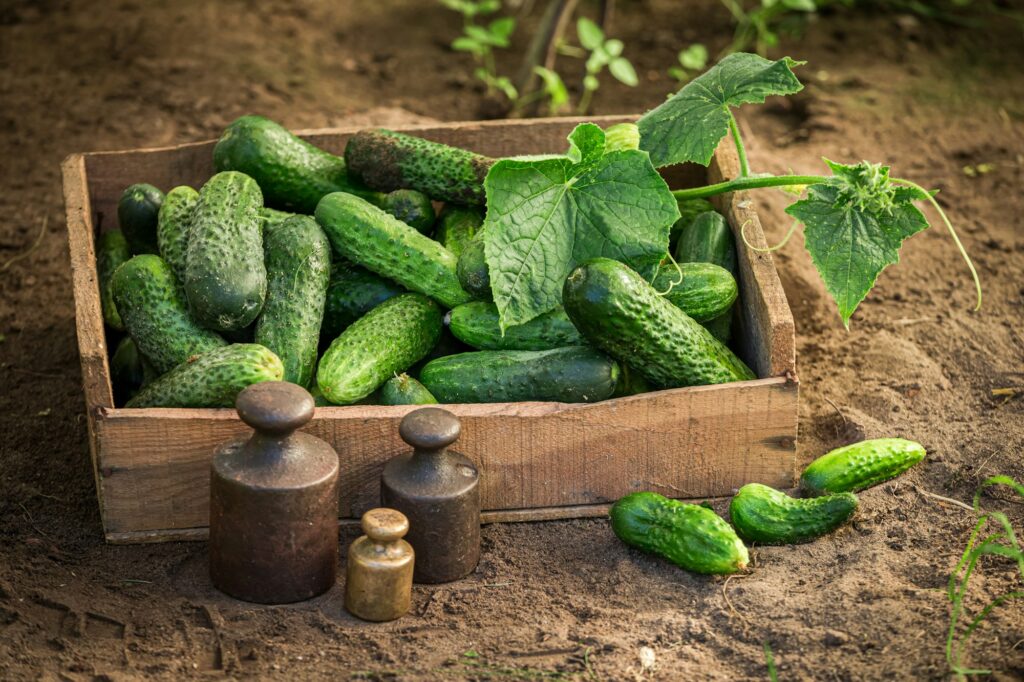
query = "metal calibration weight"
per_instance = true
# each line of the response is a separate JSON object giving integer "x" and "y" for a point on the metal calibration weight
{"x": 378, "y": 582}
{"x": 438, "y": 490}
{"x": 274, "y": 502}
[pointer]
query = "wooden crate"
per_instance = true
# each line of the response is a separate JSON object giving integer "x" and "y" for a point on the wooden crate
{"x": 539, "y": 460}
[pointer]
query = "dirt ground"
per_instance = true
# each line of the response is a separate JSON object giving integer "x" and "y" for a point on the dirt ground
{"x": 560, "y": 599}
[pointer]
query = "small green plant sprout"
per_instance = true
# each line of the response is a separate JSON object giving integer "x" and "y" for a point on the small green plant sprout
{"x": 602, "y": 53}
{"x": 553, "y": 89}
{"x": 481, "y": 41}
{"x": 759, "y": 26}
{"x": 471, "y": 10}
{"x": 691, "y": 60}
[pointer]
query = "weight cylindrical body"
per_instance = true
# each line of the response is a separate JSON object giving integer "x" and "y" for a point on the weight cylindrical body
{"x": 378, "y": 580}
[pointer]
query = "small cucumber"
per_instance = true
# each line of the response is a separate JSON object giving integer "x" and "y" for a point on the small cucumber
{"x": 701, "y": 290}
{"x": 691, "y": 536}
{"x": 617, "y": 311}
{"x": 476, "y": 324}
{"x": 137, "y": 212}
{"x": 387, "y": 340}
{"x": 271, "y": 216}
{"x": 457, "y": 226}
{"x": 298, "y": 260}
{"x": 173, "y": 225}
{"x": 212, "y": 379}
{"x": 689, "y": 209}
{"x": 411, "y": 207}
{"x": 111, "y": 251}
{"x": 708, "y": 239}
{"x": 860, "y": 465}
{"x": 364, "y": 234}
{"x": 127, "y": 373}
{"x": 353, "y": 291}
{"x": 574, "y": 374}
{"x": 474, "y": 276}
{"x": 404, "y": 390}
{"x": 154, "y": 313}
{"x": 771, "y": 517}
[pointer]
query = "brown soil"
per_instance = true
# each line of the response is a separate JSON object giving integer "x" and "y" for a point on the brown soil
{"x": 865, "y": 603}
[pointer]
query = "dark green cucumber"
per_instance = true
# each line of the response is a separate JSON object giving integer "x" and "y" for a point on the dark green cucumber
{"x": 860, "y": 465}
{"x": 173, "y": 226}
{"x": 447, "y": 344}
{"x": 385, "y": 160}
{"x": 617, "y": 311}
{"x": 212, "y": 379}
{"x": 476, "y": 324}
{"x": 353, "y": 291}
{"x": 411, "y": 207}
{"x": 292, "y": 173}
{"x": 111, "y": 251}
{"x": 404, "y": 390}
{"x": 631, "y": 382}
{"x": 474, "y": 275}
{"x": 457, "y": 226}
{"x": 225, "y": 277}
{"x": 689, "y": 209}
{"x": 691, "y": 536}
{"x": 271, "y": 216}
{"x": 708, "y": 239}
{"x": 575, "y": 374}
{"x": 137, "y": 212}
{"x": 127, "y": 373}
{"x": 701, "y": 290}
{"x": 387, "y": 340}
{"x": 298, "y": 260}
{"x": 155, "y": 314}
{"x": 771, "y": 517}
{"x": 364, "y": 234}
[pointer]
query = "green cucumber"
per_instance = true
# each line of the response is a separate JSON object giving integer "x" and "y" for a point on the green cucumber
{"x": 457, "y": 226}
{"x": 212, "y": 379}
{"x": 364, "y": 234}
{"x": 689, "y": 209}
{"x": 404, "y": 390}
{"x": 411, "y": 207}
{"x": 617, "y": 311}
{"x": 225, "y": 277}
{"x": 387, "y": 340}
{"x": 127, "y": 373}
{"x": 771, "y": 517}
{"x": 155, "y": 314}
{"x": 569, "y": 375}
{"x": 173, "y": 226}
{"x": 708, "y": 239}
{"x": 691, "y": 536}
{"x": 318, "y": 397}
{"x": 111, "y": 251}
{"x": 385, "y": 160}
{"x": 137, "y": 212}
{"x": 476, "y": 324}
{"x": 860, "y": 465}
{"x": 701, "y": 290}
{"x": 292, "y": 173}
{"x": 298, "y": 260}
{"x": 353, "y": 291}
{"x": 474, "y": 275}
{"x": 271, "y": 216}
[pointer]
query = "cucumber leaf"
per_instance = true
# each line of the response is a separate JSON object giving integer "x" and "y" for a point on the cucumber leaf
{"x": 690, "y": 124}
{"x": 854, "y": 225}
{"x": 546, "y": 215}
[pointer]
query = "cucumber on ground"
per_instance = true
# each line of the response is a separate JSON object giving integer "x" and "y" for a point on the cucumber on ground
{"x": 111, "y": 251}
{"x": 173, "y": 225}
{"x": 366, "y": 235}
{"x": 298, "y": 260}
{"x": 154, "y": 313}
{"x": 225, "y": 277}
{"x": 212, "y": 379}
{"x": 137, "y": 212}
{"x": 701, "y": 290}
{"x": 574, "y": 374}
{"x": 476, "y": 324}
{"x": 385, "y": 160}
{"x": 292, "y": 173}
{"x": 411, "y": 207}
{"x": 404, "y": 390}
{"x": 127, "y": 373}
{"x": 771, "y": 517}
{"x": 474, "y": 275}
{"x": 457, "y": 226}
{"x": 353, "y": 291}
{"x": 691, "y": 536}
{"x": 387, "y": 340}
{"x": 860, "y": 465}
{"x": 617, "y": 311}
{"x": 689, "y": 209}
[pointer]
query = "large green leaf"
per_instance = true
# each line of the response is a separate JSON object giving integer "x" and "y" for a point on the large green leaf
{"x": 546, "y": 215}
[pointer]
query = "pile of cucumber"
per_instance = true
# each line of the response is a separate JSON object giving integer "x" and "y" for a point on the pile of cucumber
{"x": 338, "y": 274}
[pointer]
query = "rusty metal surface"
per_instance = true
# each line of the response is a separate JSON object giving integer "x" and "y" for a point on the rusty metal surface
{"x": 378, "y": 580}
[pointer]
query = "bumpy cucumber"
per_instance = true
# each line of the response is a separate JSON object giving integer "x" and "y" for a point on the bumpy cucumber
{"x": 137, "y": 212}
{"x": 690, "y": 536}
{"x": 111, "y": 251}
{"x": 225, "y": 277}
{"x": 212, "y": 379}
{"x": 771, "y": 517}
{"x": 387, "y": 340}
{"x": 173, "y": 226}
{"x": 383, "y": 244}
{"x": 476, "y": 324}
{"x": 860, "y": 465}
{"x": 353, "y": 291}
{"x": 292, "y": 173}
{"x": 385, "y": 160}
{"x": 127, "y": 373}
{"x": 569, "y": 375}
{"x": 404, "y": 390}
{"x": 701, "y": 290}
{"x": 689, "y": 209}
{"x": 154, "y": 313}
{"x": 474, "y": 275}
{"x": 708, "y": 239}
{"x": 617, "y": 311}
{"x": 457, "y": 226}
{"x": 411, "y": 207}
{"x": 298, "y": 260}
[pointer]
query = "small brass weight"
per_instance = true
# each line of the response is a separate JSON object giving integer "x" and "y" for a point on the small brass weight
{"x": 378, "y": 583}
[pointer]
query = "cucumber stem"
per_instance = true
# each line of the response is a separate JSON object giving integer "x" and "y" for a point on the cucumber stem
{"x": 742, "y": 183}
{"x": 741, "y": 151}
